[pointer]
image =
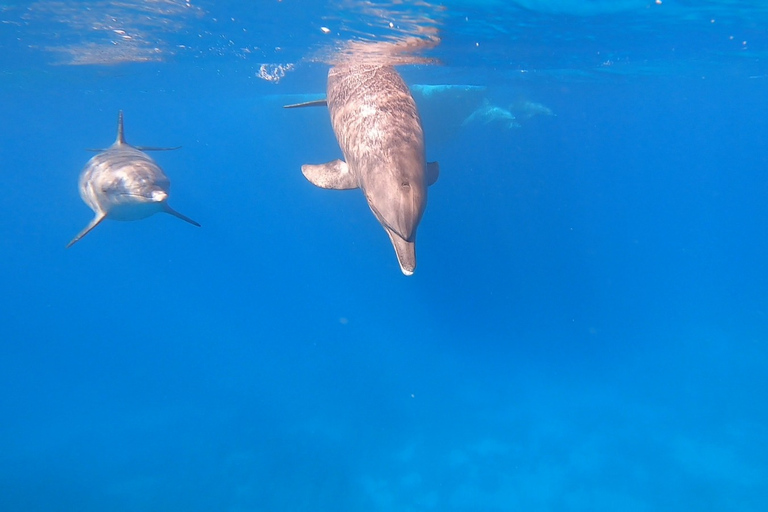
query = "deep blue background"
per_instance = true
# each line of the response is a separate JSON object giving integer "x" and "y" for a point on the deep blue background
{"x": 586, "y": 328}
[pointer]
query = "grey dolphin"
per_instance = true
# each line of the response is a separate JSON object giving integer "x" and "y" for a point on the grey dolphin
{"x": 379, "y": 130}
{"x": 122, "y": 182}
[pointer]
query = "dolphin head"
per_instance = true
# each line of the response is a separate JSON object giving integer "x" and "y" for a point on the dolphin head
{"x": 138, "y": 187}
{"x": 397, "y": 196}
{"x": 129, "y": 188}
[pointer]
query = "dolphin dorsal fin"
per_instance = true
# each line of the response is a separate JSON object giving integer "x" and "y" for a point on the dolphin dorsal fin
{"x": 120, "y": 137}
{"x": 120, "y": 141}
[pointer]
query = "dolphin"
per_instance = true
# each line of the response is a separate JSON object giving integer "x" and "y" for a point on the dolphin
{"x": 122, "y": 182}
{"x": 488, "y": 113}
{"x": 378, "y": 127}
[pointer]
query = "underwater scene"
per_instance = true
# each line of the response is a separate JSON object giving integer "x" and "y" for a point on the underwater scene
{"x": 212, "y": 302}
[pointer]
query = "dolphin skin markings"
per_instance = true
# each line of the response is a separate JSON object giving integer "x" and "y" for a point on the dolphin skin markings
{"x": 122, "y": 182}
{"x": 378, "y": 128}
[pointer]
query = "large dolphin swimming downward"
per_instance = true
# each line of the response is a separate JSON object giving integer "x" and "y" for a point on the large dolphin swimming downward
{"x": 379, "y": 130}
{"x": 124, "y": 183}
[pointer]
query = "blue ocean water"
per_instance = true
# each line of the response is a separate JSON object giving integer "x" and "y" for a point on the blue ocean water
{"x": 586, "y": 329}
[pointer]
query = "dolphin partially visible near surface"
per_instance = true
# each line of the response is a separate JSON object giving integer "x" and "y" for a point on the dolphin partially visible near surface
{"x": 378, "y": 128}
{"x": 122, "y": 182}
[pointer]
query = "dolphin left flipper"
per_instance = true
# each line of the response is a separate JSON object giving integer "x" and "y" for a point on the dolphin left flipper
{"x": 433, "y": 172}
{"x": 95, "y": 222}
{"x": 168, "y": 209}
{"x": 335, "y": 175}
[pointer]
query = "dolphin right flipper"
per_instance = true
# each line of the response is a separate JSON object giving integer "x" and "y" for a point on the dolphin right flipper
{"x": 335, "y": 175}
{"x": 315, "y": 103}
{"x": 95, "y": 222}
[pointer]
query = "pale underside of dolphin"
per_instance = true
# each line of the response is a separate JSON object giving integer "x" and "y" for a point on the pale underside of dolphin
{"x": 378, "y": 128}
{"x": 122, "y": 182}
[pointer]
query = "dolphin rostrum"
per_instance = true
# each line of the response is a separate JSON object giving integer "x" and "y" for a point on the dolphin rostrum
{"x": 122, "y": 182}
{"x": 379, "y": 130}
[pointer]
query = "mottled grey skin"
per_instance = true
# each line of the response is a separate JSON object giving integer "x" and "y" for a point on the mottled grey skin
{"x": 124, "y": 183}
{"x": 379, "y": 130}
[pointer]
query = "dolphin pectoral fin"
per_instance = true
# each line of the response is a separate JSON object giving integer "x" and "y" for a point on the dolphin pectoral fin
{"x": 433, "y": 172}
{"x": 95, "y": 222}
{"x": 406, "y": 252}
{"x": 316, "y": 103}
{"x": 335, "y": 175}
{"x": 168, "y": 209}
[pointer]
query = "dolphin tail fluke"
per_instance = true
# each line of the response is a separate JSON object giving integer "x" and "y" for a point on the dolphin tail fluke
{"x": 316, "y": 103}
{"x": 95, "y": 222}
{"x": 153, "y": 148}
{"x": 168, "y": 209}
{"x": 406, "y": 252}
{"x": 433, "y": 172}
{"x": 334, "y": 175}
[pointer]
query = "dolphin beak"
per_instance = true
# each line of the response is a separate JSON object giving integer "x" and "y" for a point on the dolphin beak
{"x": 158, "y": 196}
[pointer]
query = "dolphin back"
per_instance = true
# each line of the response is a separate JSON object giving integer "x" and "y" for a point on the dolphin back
{"x": 379, "y": 130}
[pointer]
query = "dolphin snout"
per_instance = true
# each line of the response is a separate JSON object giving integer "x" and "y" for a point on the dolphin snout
{"x": 158, "y": 196}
